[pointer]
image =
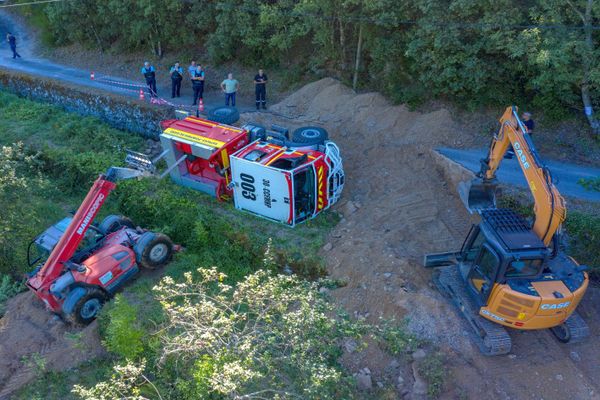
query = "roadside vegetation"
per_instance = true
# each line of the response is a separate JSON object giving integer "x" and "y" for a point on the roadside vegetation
{"x": 221, "y": 321}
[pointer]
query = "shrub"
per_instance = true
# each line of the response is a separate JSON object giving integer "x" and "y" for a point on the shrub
{"x": 8, "y": 288}
{"x": 123, "y": 335}
{"x": 269, "y": 336}
{"x": 583, "y": 232}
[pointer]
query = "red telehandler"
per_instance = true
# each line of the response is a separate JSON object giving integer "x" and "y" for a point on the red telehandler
{"x": 86, "y": 263}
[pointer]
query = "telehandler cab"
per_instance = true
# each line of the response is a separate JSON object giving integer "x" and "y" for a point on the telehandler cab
{"x": 509, "y": 273}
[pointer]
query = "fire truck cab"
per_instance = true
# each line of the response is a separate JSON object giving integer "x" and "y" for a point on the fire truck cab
{"x": 263, "y": 171}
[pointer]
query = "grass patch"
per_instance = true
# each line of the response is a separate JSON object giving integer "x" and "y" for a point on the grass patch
{"x": 433, "y": 370}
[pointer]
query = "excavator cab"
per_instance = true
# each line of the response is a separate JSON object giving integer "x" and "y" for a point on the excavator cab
{"x": 494, "y": 253}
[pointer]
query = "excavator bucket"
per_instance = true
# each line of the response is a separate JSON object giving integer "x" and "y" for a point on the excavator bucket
{"x": 477, "y": 195}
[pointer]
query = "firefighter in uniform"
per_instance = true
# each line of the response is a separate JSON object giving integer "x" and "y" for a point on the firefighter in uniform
{"x": 260, "y": 89}
{"x": 176, "y": 78}
{"x": 150, "y": 75}
{"x": 198, "y": 84}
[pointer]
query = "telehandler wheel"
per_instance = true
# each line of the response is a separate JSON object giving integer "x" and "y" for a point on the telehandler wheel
{"x": 153, "y": 250}
{"x": 573, "y": 330}
{"x": 310, "y": 135}
{"x": 87, "y": 307}
{"x": 113, "y": 223}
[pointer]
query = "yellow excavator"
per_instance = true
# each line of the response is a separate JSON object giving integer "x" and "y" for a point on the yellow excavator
{"x": 509, "y": 272}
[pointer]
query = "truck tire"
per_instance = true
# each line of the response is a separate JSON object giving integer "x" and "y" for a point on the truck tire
{"x": 310, "y": 135}
{"x": 153, "y": 250}
{"x": 113, "y": 223}
{"x": 224, "y": 115}
{"x": 88, "y": 306}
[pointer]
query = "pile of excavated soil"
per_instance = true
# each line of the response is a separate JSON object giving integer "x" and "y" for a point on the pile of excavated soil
{"x": 400, "y": 203}
{"x": 31, "y": 340}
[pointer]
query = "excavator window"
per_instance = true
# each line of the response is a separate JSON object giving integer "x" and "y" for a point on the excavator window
{"x": 523, "y": 268}
{"x": 483, "y": 272}
{"x": 475, "y": 241}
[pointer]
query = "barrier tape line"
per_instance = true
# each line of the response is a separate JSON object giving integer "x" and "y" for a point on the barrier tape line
{"x": 154, "y": 98}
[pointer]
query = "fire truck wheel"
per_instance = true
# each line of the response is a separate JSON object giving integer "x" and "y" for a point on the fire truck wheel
{"x": 113, "y": 223}
{"x": 88, "y": 306}
{"x": 224, "y": 115}
{"x": 153, "y": 250}
{"x": 310, "y": 135}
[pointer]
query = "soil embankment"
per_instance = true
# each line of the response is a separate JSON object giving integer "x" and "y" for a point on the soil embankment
{"x": 399, "y": 203}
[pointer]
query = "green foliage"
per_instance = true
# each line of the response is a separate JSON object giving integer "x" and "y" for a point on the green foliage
{"x": 433, "y": 370}
{"x": 50, "y": 158}
{"x": 8, "y": 288}
{"x": 583, "y": 232}
{"x": 268, "y": 336}
{"x": 123, "y": 335}
{"x": 395, "y": 338}
{"x": 476, "y": 52}
{"x": 590, "y": 184}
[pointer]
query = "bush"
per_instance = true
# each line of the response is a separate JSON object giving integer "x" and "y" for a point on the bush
{"x": 122, "y": 333}
{"x": 268, "y": 336}
{"x": 583, "y": 232}
{"x": 8, "y": 288}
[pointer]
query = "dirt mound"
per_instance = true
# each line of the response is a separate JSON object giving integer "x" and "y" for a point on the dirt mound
{"x": 399, "y": 203}
{"x": 32, "y": 340}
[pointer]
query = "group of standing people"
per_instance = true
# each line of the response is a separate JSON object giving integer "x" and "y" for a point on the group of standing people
{"x": 195, "y": 72}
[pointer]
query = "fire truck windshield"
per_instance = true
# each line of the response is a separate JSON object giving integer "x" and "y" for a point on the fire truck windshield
{"x": 304, "y": 194}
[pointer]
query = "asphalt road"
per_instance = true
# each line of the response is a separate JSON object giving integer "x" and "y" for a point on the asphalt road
{"x": 566, "y": 176}
{"x": 31, "y": 64}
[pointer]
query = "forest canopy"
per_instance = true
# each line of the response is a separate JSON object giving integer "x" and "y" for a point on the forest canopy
{"x": 542, "y": 53}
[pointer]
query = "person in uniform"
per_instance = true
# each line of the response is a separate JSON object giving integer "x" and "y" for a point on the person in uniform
{"x": 150, "y": 75}
{"x": 198, "y": 84}
{"x": 176, "y": 78}
{"x": 12, "y": 42}
{"x": 191, "y": 70}
{"x": 260, "y": 89}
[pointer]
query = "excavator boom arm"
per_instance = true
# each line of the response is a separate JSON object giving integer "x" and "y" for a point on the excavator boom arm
{"x": 549, "y": 208}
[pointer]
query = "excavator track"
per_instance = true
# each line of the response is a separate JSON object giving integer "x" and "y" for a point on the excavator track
{"x": 491, "y": 338}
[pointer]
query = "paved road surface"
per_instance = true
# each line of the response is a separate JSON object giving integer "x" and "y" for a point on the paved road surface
{"x": 565, "y": 175}
{"x": 33, "y": 65}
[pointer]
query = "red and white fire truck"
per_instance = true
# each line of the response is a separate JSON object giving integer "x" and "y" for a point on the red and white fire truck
{"x": 263, "y": 170}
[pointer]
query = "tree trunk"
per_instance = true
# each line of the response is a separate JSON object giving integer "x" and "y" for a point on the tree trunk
{"x": 358, "y": 55}
{"x": 342, "y": 44}
{"x": 586, "y": 65}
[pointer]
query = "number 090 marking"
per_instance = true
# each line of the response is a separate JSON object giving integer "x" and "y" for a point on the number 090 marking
{"x": 248, "y": 189}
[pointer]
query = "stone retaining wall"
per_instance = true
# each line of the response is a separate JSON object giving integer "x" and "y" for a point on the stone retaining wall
{"x": 118, "y": 111}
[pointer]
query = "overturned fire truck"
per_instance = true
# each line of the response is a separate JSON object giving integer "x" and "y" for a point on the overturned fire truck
{"x": 264, "y": 171}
